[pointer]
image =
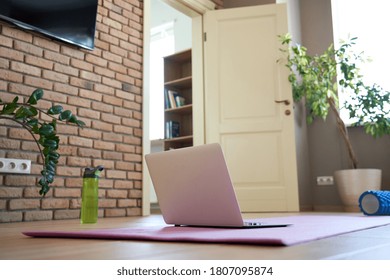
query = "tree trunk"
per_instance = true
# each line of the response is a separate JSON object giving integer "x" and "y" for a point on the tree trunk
{"x": 344, "y": 133}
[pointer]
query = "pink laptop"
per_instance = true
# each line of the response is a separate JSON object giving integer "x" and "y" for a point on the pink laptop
{"x": 194, "y": 188}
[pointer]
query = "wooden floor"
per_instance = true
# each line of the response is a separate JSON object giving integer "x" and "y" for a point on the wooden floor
{"x": 366, "y": 244}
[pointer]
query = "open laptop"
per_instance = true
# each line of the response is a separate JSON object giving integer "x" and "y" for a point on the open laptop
{"x": 194, "y": 188}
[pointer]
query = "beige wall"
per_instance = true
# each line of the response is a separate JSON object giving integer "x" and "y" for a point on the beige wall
{"x": 325, "y": 152}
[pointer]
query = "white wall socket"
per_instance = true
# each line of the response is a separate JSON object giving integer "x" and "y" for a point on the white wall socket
{"x": 11, "y": 165}
{"x": 325, "y": 180}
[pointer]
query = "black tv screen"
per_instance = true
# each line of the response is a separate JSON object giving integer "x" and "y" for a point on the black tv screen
{"x": 72, "y": 21}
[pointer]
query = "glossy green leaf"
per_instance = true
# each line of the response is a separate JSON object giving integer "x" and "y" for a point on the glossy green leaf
{"x": 65, "y": 115}
{"x": 55, "y": 110}
{"x": 35, "y": 96}
{"x": 46, "y": 130}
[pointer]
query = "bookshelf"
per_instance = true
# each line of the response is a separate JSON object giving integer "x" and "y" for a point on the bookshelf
{"x": 178, "y": 100}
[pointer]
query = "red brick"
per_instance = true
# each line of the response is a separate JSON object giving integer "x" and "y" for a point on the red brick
{"x": 55, "y": 76}
{"x": 54, "y": 56}
{"x": 22, "y": 204}
{"x": 25, "y": 69}
{"x": 135, "y": 193}
{"x": 112, "y": 82}
{"x": 102, "y": 126}
{"x": 75, "y": 203}
{"x": 112, "y": 155}
{"x": 125, "y": 95}
{"x": 105, "y": 72}
{"x": 9, "y": 217}
{"x": 102, "y": 145}
{"x": 110, "y": 118}
{"x": 3, "y": 205}
{"x": 80, "y": 141}
{"x": 38, "y": 82}
{"x": 11, "y": 76}
{"x": 39, "y": 62}
{"x": 123, "y": 129}
{"x": 116, "y": 174}
{"x": 107, "y": 203}
{"x": 133, "y": 211}
{"x": 66, "y": 214}
{"x": 115, "y": 212}
{"x": 72, "y": 52}
{"x": 85, "y": 152}
{"x": 123, "y": 184}
{"x": 16, "y": 33}
{"x": 113, "y": 137}
{"x": 28, "y": 48}
{"x": 74, "y": 182}
{"x": 83, "y": 112}
{"x": 11, "y": 192}
{"x": 112, "y": 57}
{"x": 117, "y": 193}
{"x": 65, "y": 88}
{"x": 125, "y": 148}
{"x": 108, "y": 164}
{"x": 18, "y": 180}
{"x": 112, "y": 100}
{"x": 65, "y": 69}
{"x": 121, "y": 165}
{"x": 104, "y": 89}
{"x": 132, "y": 157}
{"x": 81, "y": 64}
{"x": 55, "y": 203}
{"x": 32, "y": 192}
{"x": 46, "y": 44}
{"x": 67, "y": 192}
{"x": 90, "y": 133}
{"x": 9, "y": 144}
{"x": 78, "y": 161}
{"x": 38, "y": 215}
{"x": 95, "y": 60}
{"x": 134, "y": 175}
{"x": 68, "y": 171}
{"x": 6, "y": 41}
{"x": 127, "y": 203}
{"x": 102, "y": 107}
{"x": 19, "y": 133}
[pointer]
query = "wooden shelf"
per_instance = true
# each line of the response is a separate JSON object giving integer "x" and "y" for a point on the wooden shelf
{"x": 178, "y": 85}
{"x": 180, "y": 139}
{"x": 181, "y": 83}
{"x": 186, "y": 109}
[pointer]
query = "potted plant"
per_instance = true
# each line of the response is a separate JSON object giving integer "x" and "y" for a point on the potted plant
{"x": 27, "y": 114}
{"x": 314, "y": 80}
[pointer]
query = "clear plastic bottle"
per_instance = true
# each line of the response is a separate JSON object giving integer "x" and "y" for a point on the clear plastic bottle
{"x": 89, "y": 196}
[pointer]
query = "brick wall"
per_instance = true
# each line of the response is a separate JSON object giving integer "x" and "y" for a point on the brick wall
{"x": 103, "y": 87}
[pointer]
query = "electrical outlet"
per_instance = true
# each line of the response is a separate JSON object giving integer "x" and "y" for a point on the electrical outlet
{"x": 325, "y": 180}
{"x": 11, "y": 165}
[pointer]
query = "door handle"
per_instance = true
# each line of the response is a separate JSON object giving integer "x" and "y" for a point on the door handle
{"x": 286, "y": 102}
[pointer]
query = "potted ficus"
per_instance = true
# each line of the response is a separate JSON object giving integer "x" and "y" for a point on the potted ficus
{"x": 29, "y": 116}
{"x": 314, "y": 80}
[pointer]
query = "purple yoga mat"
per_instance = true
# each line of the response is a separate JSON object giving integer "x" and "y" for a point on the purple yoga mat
{"x": 303, "y": 228}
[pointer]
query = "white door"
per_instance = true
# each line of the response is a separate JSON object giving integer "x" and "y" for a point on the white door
{"x": 243, "y": 85}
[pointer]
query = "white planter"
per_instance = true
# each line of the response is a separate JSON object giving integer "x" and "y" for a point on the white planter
{"x": 351, "y": 183}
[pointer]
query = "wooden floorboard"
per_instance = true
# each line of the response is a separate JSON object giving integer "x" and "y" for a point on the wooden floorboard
{"x": 366, "y": 244}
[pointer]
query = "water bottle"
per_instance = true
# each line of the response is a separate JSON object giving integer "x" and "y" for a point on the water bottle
{"x": 89, "y": 196}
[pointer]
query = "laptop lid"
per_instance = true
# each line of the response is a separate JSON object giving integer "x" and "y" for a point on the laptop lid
{"x": 193, "y": 187}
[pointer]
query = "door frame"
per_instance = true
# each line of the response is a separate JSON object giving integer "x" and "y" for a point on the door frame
{"x": 194, "y": 9}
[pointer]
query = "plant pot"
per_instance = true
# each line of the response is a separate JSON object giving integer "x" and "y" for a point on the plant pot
{"x": 351, "y": 183}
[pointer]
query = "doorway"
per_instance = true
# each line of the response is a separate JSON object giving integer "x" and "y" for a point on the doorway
{"x": 167, "y": 31}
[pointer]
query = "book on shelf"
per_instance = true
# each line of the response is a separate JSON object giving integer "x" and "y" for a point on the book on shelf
{"x": 172, "y": 99}
{"x": 172, "y": 129}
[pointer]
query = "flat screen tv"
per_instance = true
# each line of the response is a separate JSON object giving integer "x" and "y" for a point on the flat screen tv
{"x": 71, "y": 21}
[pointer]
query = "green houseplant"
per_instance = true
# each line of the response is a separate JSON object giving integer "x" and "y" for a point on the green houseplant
{"x": 27, "y": 114}
{"x": 314, "y": 80}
